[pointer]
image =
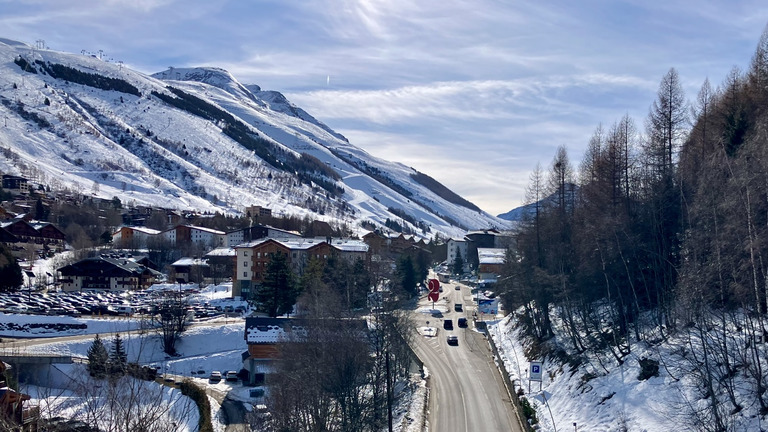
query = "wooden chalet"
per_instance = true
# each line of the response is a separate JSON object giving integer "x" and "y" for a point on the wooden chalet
{"x": 107, "y": 273}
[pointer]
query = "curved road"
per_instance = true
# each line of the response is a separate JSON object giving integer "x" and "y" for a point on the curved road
{"x": 234, "y": 411}
{"x": 466, "y": 390}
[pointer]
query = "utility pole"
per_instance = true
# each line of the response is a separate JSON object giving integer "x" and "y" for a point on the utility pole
{"x": 389, "y": 394}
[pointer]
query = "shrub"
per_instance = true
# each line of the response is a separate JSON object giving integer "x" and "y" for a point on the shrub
{"x": 648, "y": 368}
{"x": 528, "y": 412}
{"x": 197, "y": 394}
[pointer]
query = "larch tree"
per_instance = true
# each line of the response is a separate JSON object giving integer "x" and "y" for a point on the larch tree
{"x": 667, "y": 122}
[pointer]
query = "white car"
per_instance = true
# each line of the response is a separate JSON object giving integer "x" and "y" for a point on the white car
{"x": 215, "y": 376}
{"x": 231, "y": 376}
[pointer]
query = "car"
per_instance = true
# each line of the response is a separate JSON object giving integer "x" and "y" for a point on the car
{"x": 448, "y": 324}
{"x": 215, "y": 376}
{"x": 462, "y": 322}
{"x": 458, "y": 307}
{"x": 452, "y": 340}
{"x": 458, "y": 287}
{"x": 231, "y": 375}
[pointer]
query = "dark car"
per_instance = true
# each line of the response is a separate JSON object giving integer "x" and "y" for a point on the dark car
{"x": 462, "y": 322}
{"x": 458, "y": 307}
{"x": 448, "y": 324}
{"x": 452, "y": 340}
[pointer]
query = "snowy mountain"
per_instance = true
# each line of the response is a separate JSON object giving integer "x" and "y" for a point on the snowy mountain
{"x": 517, "y": 214}
{"x": 196, "y": 138}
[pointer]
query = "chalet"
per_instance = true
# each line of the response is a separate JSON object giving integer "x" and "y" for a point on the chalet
{"x": 376, "y": 242}
{"x": 491, "y": 262}
{"x": 133, "y": 237}
{"x": 222, "y": 263}
{"x": 349, "y": 250}
{"x": 106, "y": 273}
{"x": 264, "y": 336}
{"x": 7, "y": 238}
{"x": 187, "y": 270}
{"x": 32, "y": 237}
{"x": 398, "y": 244}
{"x": 52, "y": 236}
{"x": 25, "y": 232}
{"x": 390, "y": 245}
{"x": 15, "y": 184}
{"x": 13, "y": 411}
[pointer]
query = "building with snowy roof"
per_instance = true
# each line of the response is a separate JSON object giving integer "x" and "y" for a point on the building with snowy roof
{"x": 128, "y": 237}
{"x": 107, "y": 273}
{"x": 253, "y": 258}
{"x": 181, "y": 234}
{"x": 491, "y": 262}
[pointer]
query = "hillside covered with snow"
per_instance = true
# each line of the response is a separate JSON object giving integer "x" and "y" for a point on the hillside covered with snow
{"x": 197, "y": 139}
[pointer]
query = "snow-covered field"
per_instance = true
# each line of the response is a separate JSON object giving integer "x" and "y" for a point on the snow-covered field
{"x": 211, "y": 345}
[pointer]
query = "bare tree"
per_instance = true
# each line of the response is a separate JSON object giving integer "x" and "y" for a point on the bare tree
{"x": 173, "y": 320}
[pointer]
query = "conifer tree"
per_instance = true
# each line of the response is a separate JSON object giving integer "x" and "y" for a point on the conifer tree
{"x": 118, "y": 359}
{"x": 277, "y": 294}
{"x": 98, "y": 359}
{"x": 458, "y": 263}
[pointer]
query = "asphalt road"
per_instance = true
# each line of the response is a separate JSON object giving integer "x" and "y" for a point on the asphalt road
{"x": 466, "y": 390}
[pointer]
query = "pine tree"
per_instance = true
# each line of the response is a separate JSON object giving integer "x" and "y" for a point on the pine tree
{"x": 98, "y": 359}
{"x": 406, "y": 276}
{"x": 118, "y": 359}
{"x": 458, "y": 263}
{"x": 277, "y": 294}
{"x": 10, "y": 272}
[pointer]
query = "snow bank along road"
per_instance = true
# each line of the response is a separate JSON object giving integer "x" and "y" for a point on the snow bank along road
{"x": 466, "y": 390}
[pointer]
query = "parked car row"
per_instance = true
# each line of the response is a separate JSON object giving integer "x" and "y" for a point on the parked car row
{"x": 216, "y": 376}
{"x": 103, "y": 303}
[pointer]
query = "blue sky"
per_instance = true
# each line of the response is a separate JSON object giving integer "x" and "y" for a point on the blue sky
{"x": 473, "y": 93}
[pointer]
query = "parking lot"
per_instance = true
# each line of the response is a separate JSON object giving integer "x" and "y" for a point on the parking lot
{"x": 105, "y": 303}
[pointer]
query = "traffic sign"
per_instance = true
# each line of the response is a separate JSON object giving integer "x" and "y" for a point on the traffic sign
{"x": 536, "y": 371}
{"x": 434, "y": 285}
{"x": 434, "y": 295}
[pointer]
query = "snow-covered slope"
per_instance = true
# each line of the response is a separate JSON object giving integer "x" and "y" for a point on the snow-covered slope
{"x": 196, "y": 138}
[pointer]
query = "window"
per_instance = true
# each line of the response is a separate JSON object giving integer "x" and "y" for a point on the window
{"x": 245, "y": 274}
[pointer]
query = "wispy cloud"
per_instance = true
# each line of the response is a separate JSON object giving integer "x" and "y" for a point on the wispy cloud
{"x": 486, "y": 88}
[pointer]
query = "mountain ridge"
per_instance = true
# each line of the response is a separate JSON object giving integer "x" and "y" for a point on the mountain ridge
{"x": 196, "y": 138}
